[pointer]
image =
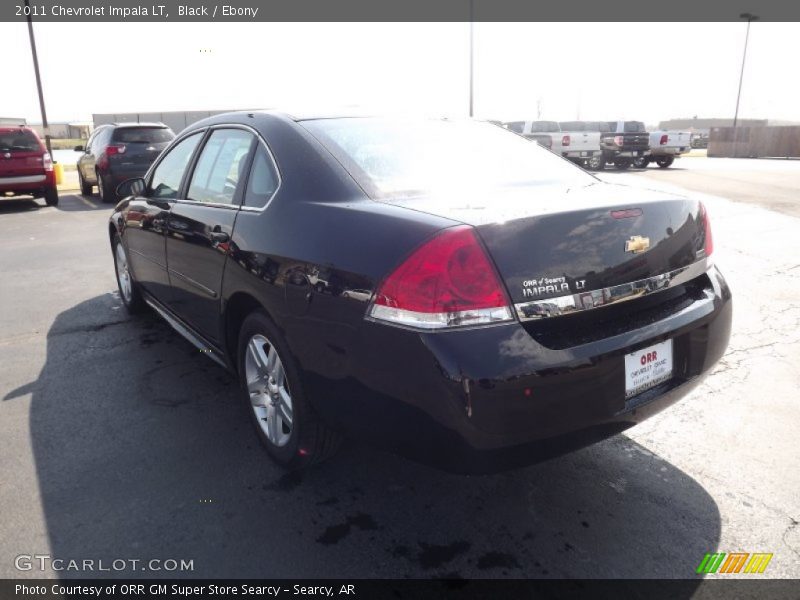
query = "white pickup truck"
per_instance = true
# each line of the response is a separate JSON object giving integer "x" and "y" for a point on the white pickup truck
{"x": 665, "y": 147}
{"x": 570, "y": 139}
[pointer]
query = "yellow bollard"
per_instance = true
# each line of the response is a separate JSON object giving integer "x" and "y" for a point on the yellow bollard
{"x": 59, "y": 171}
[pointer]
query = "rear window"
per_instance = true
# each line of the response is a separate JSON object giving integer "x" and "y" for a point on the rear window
{"x": 573, "y": 126}
{"x": 600, "y": 126}
{"x": 516, "y": 126}
{"x": 19, "y": 141}
{"x": 544, "y": 127}
{"x": 408, "y": 158}
{"x": 143, "y": 135}
{"x": 634, "y": 127}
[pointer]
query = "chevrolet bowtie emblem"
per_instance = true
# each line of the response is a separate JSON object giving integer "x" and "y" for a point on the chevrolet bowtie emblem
{"x": 637, "y": 244}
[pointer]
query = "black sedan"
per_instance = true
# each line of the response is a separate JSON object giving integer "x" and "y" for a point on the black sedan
{"x": 442, "y": 288}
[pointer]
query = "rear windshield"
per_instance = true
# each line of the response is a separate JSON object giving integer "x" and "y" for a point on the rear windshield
{"x": 19, "y": 141}
{"x": 407, "y": 158}
{"x": 516, "y": 126}
{"x": 544, "y": 127}
{"x": 600, "y": 126}
{"x": 144, "y": 135}
{"x": 634, "y": 127}
{"x": 573, "y": 126}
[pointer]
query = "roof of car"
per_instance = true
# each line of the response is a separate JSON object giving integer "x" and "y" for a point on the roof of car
{"x": 136, "y": 125}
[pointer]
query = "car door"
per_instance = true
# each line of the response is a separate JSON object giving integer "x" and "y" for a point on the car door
{"x": 146, "y": 217}
{"x": 86, "y": 161}
{"x": 200, "y": 227}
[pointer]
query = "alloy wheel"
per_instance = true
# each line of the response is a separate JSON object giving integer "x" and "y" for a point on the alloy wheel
{"x": 268, "y": 388}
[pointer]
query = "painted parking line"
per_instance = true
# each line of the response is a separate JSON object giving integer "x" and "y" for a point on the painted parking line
{"x": 85, "y": 201}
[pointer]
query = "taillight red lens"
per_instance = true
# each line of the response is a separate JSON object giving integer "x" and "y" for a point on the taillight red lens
{"x": 47, "y": 161}
{"x": 446, "y": 282}
{"x": 565, "y": 140}
{"x": 709, "y": 240}
{"x": 113, "y": 149}
{"x": 664, "y": 139}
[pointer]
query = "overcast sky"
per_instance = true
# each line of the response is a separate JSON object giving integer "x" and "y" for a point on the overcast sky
{"x": 560, "y": 70}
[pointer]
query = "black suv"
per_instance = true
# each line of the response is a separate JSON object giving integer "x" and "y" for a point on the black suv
{"x": 117, "y": 152}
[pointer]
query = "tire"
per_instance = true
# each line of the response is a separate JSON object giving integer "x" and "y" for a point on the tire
{"x": 664, "y": 161}
{"x": 106, "y": 196}
{"x": 641, "y": 162}
{"x": 86, "y": 188}
{"x": 622, "y": 164}
{"x": 128, "y": 288}
{"x": 51, "y": 196}
{"x": 273, "y": 390}
{"x": 596, "y": 163}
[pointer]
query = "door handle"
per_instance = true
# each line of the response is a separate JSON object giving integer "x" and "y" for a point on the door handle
{"x": 218, "y": 236}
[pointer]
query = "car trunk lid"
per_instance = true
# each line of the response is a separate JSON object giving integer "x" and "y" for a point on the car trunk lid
{"x": 550, "y": 241}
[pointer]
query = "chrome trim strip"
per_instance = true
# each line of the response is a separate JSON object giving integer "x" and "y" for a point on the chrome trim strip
{"x": 191, "y": 281}
{"x": 23, "y": 179}
{"x": 591, "y": 299}
{"x": 184, "y": 331}
{"x": 144, "y": 256}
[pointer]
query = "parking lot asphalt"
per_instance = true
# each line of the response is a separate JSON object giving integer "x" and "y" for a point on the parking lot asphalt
{"x": 118, "y": 440}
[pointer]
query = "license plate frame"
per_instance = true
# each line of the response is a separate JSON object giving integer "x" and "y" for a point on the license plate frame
{"x": 648, "y": 367}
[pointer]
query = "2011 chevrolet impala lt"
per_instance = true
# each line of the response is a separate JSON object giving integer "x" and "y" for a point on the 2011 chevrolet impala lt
{"x": 443, "y": 288}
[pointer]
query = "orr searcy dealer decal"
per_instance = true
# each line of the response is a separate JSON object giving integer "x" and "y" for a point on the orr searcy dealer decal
{"x": 548, "y": 285}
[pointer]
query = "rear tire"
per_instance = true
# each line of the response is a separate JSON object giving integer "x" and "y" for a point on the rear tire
{"x": 272, "y": 388}
{"x": 664, "y": 161}
{"x": 106, "y": 196}
{"x": 86, "y": 188}
{"x": 128, "y": 288}
{"x": 51, "y": 196}
{"x": 622, "y": 164}
{"x": 641, "y": 162}
{"x": 596, "y": 163}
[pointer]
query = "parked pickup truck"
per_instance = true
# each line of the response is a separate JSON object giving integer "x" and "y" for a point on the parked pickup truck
{"x": 665, "y": 147}
{"x": 570, "y": 139}
{"x": 623, "y": 142}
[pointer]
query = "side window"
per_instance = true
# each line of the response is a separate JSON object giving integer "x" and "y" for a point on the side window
{"x": 263, "y": 180}
{"x": 220, "y": 166}
{"x": 167, "y": 177}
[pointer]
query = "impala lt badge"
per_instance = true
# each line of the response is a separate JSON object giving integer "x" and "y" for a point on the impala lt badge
{"x": 637, "y": 244}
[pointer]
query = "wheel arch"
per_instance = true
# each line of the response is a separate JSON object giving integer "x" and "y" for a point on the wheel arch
{"x": 236, "y": 309}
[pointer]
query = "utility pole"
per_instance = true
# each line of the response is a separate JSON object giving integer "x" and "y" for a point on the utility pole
{"x": 750, "y": 18}
{"x": 471, "y": 56}
{"x": 45, "y": 126}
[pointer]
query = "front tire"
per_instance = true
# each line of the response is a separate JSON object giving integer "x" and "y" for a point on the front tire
{"x": 128, "y": 288}
{"x": 664, "y": 161}
{"x": 51, "y": 196}
{"x": 285, "y": 423}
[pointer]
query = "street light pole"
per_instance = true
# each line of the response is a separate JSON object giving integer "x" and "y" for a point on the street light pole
{"x": 750, "y": 18}
{"x": 38, "y": 81}
{"x": 471, "y": 56}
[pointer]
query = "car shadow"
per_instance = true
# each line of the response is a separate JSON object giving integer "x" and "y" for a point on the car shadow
{"x": 144, "y": 450}
{"x": 82, "y": 203}
{"x": 18, "y": 205}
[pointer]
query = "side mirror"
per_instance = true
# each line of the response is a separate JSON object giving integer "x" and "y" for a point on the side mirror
{"x": 78, "y": 148}
{"x": 131, "y": 187}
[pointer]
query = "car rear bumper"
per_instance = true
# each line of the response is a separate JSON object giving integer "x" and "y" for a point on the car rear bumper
{"x": 673, "y": 151}
{"x": 26, "y": 185}
{"x": 492, "y": 398}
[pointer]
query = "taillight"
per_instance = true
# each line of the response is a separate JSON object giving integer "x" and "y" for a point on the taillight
{"x": 113, "y": 149}
{"x": 664, "y": 139}
{"x": 565, "y": 140}
{"x": 619, "y": 140}
{"x": 709, "y": 240}
{"x": 47, "y": 161}
{"x": 446, "y": 282}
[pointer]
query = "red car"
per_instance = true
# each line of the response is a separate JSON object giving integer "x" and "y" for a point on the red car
{"x": 26, "y": 168}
